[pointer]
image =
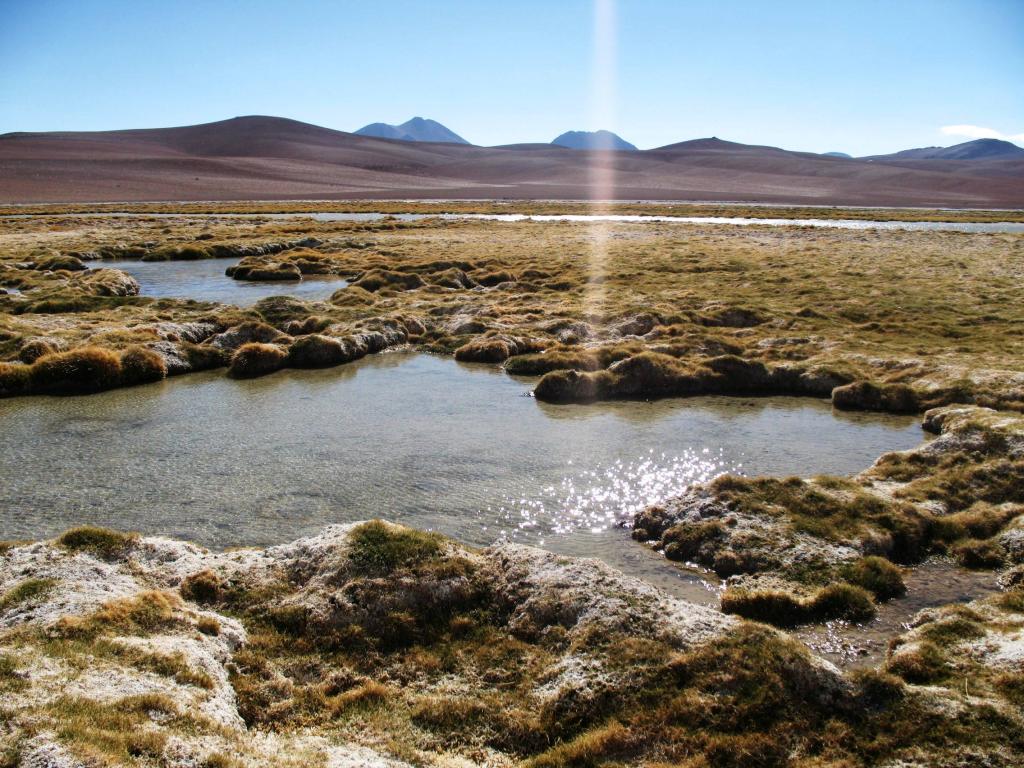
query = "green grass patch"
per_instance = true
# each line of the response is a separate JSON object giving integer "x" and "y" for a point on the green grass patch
{"x": 102, "y": 542}
{"x": 26, "y": 591}
{"x": 378, "y": 548}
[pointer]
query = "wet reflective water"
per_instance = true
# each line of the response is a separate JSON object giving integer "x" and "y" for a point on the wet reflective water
{"x": 204, "y": 280}
{"x": 933, "y": 583}
{"x": 417, "y": 439}
{"x": 941, "y": 226}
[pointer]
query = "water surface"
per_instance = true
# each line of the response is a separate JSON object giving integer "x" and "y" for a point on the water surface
{"x": 417, "y": 439}
{"x": 204, "y": 280}
{"x": 940, "y": 226}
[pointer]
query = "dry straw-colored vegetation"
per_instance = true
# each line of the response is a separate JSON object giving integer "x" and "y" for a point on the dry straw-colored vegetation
{"x": 885, "y": 320}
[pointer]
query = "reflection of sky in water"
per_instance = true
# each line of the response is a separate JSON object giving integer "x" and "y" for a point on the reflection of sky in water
{"x": 595, "y": 500}
{"x": 418, "y": 439}
{"x": 204, "y": 280}
{"x": 926, "y": 226}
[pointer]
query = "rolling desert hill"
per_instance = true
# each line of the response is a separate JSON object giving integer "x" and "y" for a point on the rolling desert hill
{"x": 266, "y": 158}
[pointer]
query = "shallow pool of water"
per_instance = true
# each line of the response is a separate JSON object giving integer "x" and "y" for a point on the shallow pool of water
{"x": 417, "y": 439}
{"x": 931, "y": 584}
{"x": 204, "y": 280}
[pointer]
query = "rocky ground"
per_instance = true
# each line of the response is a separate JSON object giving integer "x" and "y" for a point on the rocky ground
{"x": 375, "y": 645}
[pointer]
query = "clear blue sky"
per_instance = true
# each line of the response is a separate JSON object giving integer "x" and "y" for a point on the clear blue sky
{"x": 858, "y": 76}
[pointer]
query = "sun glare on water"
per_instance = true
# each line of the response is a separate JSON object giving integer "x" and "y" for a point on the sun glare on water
{"x": 592, "y": 501}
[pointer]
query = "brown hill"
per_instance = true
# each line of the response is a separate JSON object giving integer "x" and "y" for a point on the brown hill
{"x": 262, "y": 158}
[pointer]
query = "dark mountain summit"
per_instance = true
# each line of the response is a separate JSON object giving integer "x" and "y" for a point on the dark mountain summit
{"x": 593, "y": 140}
{"x": 417, "y": 129}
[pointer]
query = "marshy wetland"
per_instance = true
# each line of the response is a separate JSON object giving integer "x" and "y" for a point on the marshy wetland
{"x": 745, "y": 402}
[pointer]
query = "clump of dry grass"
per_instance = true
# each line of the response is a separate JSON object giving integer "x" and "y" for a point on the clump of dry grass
{"x": 78, "y": 371}
{"x": 783, "y": 609}
{"x": 26, "y": 591}
{"x": 102, "y": 542}
{"x": 256, "y": 359}
{"x": 258, "y": 269}
{"x": 375, "y": 280}
{"x": 140, "y": 365}
{"x": 202, "y": 587}
{"x": 316, "y": 351}
{"x": 145, "y": 613}
{"x": 15, "y": 379}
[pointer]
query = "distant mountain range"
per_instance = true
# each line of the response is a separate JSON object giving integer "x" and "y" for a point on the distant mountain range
{"x": 416, "y": 129}
{"x": 979, "y": 149}
{"x": 272, "y": 158}
{"x": 423, "y": 129}
{"x": 593, "y": 140}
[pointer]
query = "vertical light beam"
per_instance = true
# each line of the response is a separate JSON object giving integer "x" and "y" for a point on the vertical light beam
{"x": 601, "y": 168}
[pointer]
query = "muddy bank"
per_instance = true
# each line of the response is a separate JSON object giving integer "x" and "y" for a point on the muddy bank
{"x": 373, "y": 644}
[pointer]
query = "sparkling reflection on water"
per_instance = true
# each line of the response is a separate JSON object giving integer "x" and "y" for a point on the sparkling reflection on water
{"x": 417, "y": 439}
{"x": 595, "y": 500}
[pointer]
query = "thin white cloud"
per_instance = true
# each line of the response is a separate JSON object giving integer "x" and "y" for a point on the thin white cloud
{"x": 980, "y": 132}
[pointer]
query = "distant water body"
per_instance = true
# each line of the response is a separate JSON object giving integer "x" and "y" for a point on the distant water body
{"x": 916, "y": 226}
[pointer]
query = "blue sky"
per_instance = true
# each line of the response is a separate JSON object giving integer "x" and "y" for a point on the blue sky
{"x": 862, "y": 77}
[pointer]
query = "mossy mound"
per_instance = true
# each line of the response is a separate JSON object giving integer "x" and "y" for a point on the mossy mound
{"x": 569, "y": 358}
{"x": 260, "y": 269}
{"x": 785, "y": 609}
{"x": 140, "y": 365}
{"x": 495, "y": 350}
{"x": 35, "y": 348}
{"x": 316, "y": 351}
{"x": 256, "y": 359}
{"x": 102, "y": 542}
{"x": 352, "y": 296}
{"x": 15, "y": 379}
{"x": 246, "y": 333}
{"x": 65, "y": 262}
{"x": 491, "y": 279}
{"x": 78, "y": 371}
{"x": 374, "y": 280}
{"x": 865, "y": 396}
{"x": 655, "y": 374}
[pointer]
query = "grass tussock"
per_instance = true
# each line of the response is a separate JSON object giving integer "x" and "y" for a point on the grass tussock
{"x": 877, "y": 575}
{"x": 255, "y": 359}
{"x": 783, "y": 609}
{"x": 26, "y": 591}
{"x": 379, "y": 548}
{"x": 140, "y": 365}
{"x": 316, "y": 351}
{"x": 101, "y": 542}
{"x": 202, "y": 587}
{"x": 78, "y": 371}
{"x": 142, "y": 614}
